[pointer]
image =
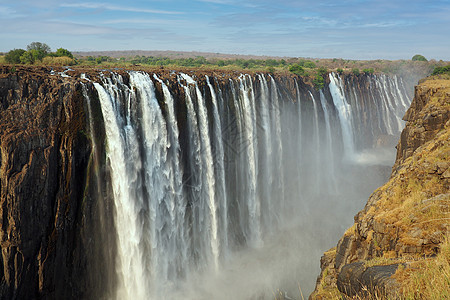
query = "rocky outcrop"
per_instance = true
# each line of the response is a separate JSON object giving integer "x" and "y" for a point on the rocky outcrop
{"x": 407, "y": 218}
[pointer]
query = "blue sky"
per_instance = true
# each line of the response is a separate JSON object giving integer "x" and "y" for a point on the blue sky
{"x": 354, "y": 29}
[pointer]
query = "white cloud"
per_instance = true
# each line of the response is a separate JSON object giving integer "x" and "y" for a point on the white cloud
{"x": 92, "y": 5}
{"x": 9, "y": 13}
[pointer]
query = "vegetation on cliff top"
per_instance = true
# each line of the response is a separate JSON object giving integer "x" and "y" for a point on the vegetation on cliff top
{"x": 39, "y": 53}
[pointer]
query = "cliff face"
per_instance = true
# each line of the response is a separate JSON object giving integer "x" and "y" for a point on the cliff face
{"x": 406, "y": 219}
{"x": 43, "y": 195}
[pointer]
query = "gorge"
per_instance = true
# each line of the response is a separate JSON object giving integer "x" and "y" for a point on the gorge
{"x": 167, "y": 184}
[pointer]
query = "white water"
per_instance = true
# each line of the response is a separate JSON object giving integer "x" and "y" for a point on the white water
{"x": 132, "y": 277}
{"x": 215, "y": 209}
{"x": 345, "y": 114}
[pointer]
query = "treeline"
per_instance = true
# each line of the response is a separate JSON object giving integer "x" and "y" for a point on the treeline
{"x": 38, "y": 52}
{"x": 196, "y": 62}
{"x": 441, "y": 70}
{"x": 312, "y": 70}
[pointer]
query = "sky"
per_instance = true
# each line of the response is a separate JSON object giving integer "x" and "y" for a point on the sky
{"x": 351, "y": 29}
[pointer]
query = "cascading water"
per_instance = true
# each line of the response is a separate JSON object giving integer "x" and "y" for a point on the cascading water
{"x": 227, "y": 182}
{"x": 345, "y": 114}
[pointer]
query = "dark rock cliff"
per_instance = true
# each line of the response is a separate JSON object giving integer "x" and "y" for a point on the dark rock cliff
{"x": 404, "y": 221}
{"x": 45, "y": 210}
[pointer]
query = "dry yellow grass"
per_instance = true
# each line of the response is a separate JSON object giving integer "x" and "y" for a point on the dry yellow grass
{"x": 58, "y": 61}
{"x": 428, "y": 278}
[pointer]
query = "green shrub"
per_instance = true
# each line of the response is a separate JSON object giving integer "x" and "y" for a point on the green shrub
{"x": 318, "y": 82}
{"x": 355, "y": 71}
{"x": 340, "y": 71}
{"x": 368, "y": 71}
{"x": 297, "y": 69}
{"x": 27, "y": 57}
{"x": 13, "y": 56}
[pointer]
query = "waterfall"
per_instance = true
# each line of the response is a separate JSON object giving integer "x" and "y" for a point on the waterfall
{"x": 209, "y": 178}
{"x": 220, "y": 169}
{"x": 133, "y": 279}
{"x": 206, "y": 171}
{"x": 345, "y": 114}
{"x": 329, "y": 157}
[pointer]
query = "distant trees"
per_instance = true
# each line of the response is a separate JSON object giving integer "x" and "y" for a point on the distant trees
{"x": 441, "y": 70}
{"x": 37, "y": 51}
{"x": 419, "y": 57}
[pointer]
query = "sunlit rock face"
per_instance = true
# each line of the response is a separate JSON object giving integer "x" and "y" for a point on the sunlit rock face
{"x": 135, "y": 185}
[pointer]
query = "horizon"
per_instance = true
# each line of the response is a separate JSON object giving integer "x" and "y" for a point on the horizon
{"x": 350, "y": 29}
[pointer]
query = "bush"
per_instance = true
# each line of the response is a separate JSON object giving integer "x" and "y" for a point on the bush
{"x": 355, "y": 71}
{"x": 419, "y": 57}
{"x": 297, "y": 69}
{"x": 13, "y": 56}
{"x": 368, "y": 71}
{"x": 340, "y": 71}
{"x": 309, "y": 64}
{"x": 271, "y": 69}
{"x": 318, "y": 82}
{"x": 27, "y": 57}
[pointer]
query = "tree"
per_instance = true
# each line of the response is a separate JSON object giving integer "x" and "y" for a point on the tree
{"x": 13, "y": 56}
{"x": 340, "y": 71}
{"x": 419, "y": 57}
{"x": 355, "y": 71}
{"x": 63, "y": 52}
{"x": 39, "y": 47}
{"x": 38, "y": 50}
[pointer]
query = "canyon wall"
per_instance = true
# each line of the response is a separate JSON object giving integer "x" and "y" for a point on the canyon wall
{"x": 404, "y": 221}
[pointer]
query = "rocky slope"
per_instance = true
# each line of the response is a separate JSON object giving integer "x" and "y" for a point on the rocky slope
{"x": 405, "y": 222}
